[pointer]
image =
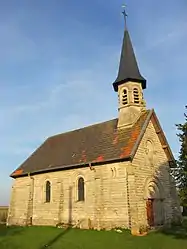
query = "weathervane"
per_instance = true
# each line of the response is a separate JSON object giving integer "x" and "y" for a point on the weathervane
{"x": 125, "y": 14}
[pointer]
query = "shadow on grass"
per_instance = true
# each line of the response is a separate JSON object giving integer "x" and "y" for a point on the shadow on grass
{"x": 67, "y": 229}
{"x": 55, "y": 239}
{"x": 178, "y": 232}
{"x": 10, "y": 231}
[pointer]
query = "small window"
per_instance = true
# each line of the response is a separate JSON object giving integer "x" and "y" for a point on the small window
{"x": 81, "y": 189}
{"x": 125, "y": 97}
{"x": 48, "y": 192}
{"x": 136, "y": 96}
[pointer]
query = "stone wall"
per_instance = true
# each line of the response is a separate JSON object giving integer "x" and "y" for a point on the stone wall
{"x": 18, "y": 208}
{"x": 105, "y": 204}
{"x": 151, "y": 170}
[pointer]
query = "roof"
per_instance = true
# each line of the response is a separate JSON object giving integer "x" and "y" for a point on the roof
{"x": 93, "y": 144}
{"x": 96, "y": 144}
{"x": 128, "y": 67}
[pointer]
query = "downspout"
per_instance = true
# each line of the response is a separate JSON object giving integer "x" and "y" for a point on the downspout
{"x": 128, "y": 201}
{"x": 30, "y": 202}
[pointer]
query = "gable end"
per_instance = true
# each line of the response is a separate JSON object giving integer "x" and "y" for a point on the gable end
{"x": 162, "y": 138}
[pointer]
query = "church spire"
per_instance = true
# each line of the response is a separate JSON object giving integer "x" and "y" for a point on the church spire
{"x": 128, "y": 67}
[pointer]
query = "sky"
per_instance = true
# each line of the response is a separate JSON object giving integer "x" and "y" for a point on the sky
{"x": 59, "y": 58}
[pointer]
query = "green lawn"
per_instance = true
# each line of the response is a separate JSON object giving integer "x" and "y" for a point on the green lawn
{"x": 57, "y": 238}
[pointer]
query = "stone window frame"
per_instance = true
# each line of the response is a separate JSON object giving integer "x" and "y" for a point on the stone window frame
{"x": 136, "y": 95}
{"x": 124, "y": 97}
{"x": 150, "y": 141}
{"x": 80, "y": 192}
{"x": 45, "y": 192}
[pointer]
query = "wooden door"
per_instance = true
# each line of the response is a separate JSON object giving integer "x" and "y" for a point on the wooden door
{"x": 150, "y": 212}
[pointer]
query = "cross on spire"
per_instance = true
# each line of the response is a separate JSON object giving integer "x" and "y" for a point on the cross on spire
{"x": 125, "y": 15}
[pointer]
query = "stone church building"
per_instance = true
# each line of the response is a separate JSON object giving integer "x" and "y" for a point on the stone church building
{"x": 107, "y": 175}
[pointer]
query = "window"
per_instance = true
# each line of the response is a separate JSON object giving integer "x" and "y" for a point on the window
{"x": 124, "y": 97}
{"x": 48, "y": 191}
{"x": 80, "y": 189}
{"x": 136, "y": 96}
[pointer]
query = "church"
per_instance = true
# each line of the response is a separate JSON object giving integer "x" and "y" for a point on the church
{"x": 104, "y": 176}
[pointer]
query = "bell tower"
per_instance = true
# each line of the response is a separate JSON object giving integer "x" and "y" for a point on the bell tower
{"x": 129, "y": 84}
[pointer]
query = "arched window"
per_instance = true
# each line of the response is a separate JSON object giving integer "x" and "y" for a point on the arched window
{"x": 48, "y": 191}
{"x": 80, "y": 189}
{"x": 136, "y": 96}
{"x": 125, "y": 97}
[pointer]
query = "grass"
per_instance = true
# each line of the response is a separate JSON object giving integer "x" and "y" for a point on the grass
{"x": 57, "y": 238}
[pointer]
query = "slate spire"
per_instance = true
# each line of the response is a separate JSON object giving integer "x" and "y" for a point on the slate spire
{"x": 128, "y": 67}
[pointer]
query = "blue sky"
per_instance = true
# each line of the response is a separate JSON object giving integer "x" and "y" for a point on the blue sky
{"x": 58, "y": 60}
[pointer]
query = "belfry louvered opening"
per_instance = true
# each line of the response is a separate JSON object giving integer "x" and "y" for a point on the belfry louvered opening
{"x": 136, "y": 96}
{"x": 125, "y": 97}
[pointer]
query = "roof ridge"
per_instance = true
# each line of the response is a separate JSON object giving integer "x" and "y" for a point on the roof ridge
{"x": 84, "y": 127}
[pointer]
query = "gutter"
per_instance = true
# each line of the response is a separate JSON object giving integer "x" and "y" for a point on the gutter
{"x": 58, "y": 168}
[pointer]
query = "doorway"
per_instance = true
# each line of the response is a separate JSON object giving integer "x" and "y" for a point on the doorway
{"x": 150, "y": 212}
{"x": 154, "y": 205}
